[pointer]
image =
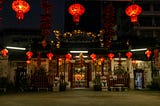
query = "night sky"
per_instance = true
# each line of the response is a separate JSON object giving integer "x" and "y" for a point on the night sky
{"x": 61, "y": 19}
{"x": 32, "y": 18}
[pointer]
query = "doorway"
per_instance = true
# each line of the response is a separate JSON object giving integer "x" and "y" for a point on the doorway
{"x": 139, "y": 79}
{"x": 81, "y": 75}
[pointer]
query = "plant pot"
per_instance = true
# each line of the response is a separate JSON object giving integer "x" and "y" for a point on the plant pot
{"x": 97, "y": 87}
{"x": 62, "y": 87}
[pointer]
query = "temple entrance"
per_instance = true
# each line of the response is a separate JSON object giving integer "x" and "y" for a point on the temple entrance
{"x": 81, "y": 75}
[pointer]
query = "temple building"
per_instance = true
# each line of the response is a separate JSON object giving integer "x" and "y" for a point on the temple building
{"x": 104, "y": 51}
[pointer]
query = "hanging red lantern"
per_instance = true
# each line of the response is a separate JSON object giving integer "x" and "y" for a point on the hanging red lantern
{"x": 50, "y": 55}
{"x": 110, "y": 55}
{"x": 129, "y": 55}
{"x": 93, "y": 56}
{"x": 148, "y": 53}
{"x": 101, "y": 59}
{"x": 68, "y": 56}
{"x": 4, "y": 52}
{"x": 133, "y": 11}
{"x": 76, "y": 10}
{"x": 29, "y": 54}
{"x": 20, "y": 7}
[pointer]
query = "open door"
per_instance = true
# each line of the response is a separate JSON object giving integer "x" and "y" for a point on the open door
{"x": 139, "y": 79}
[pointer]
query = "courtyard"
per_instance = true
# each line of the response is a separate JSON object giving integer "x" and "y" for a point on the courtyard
{"x": 81, "y": 98}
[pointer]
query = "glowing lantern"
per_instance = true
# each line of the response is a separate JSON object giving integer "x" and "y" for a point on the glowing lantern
{"x": 76, "y": 10}
{"x": 20, "y": 7}
{"x": 129, "y": 54}
{"x": 28, "y": 61}
{"x": 133, "y": 61}
{"x": 148, "y": 53}
{"x": 50, "y": 55}
{"x": 133, "y": 11}
{"x": 101, "y": 59}
{"x": 29, "y": 54}
{"x": 68, "y": 56}
{"x": 60, "y": 61}
{"x": 110, "y": 55}
{"x": 93, "y": 56}
{"x": 4, "y": 52}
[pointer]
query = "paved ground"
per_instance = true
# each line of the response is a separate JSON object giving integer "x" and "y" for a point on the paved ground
{"x": 82, "y": 98}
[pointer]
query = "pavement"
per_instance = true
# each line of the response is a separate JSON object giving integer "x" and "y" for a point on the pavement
{"x": 81, "y": 98}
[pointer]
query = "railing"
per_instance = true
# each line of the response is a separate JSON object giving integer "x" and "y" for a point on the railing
{"x": 118, "y": 79}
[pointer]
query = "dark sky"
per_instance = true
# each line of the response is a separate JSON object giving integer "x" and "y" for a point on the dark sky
{"x": 61, "y": 19}
{"x": 89, "y": 21}
{"x": 31, "y": 19}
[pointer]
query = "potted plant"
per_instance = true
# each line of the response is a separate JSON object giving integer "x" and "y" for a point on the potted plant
{"x": 97, "y": 83}
{"x": 62, "y": 84}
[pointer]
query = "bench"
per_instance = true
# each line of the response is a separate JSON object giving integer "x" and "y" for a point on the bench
{"x": 119, "y": 87}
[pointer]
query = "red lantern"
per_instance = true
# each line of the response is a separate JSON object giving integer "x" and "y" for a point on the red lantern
{"x": 93, "y": 56}
{"x": 148, "y": 53}
{"x": 129, "y": 55}
{"x": 50, "y": 55}
{"x": 101, "y": 59}
{"x": 20, "y": 7}
{"x": 68, "y": 56}
{"x": 133, "y": 11}
{"x": 29, "y": 54}
{"x": 110, "y": 55}
{"x": 4, "y": 52}
{"x": 76, "y": 10}
{"x": 28, "y": 61}
{"x": 133, "y": 61}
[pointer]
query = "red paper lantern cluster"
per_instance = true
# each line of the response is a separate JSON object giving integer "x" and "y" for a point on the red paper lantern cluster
{"x": 20, "y": 7}
{"x": 133, "y": 11}
{"x": 76, "y": 10}
{"x": 50, "y": 55}
{"x": 46, "y": 19}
